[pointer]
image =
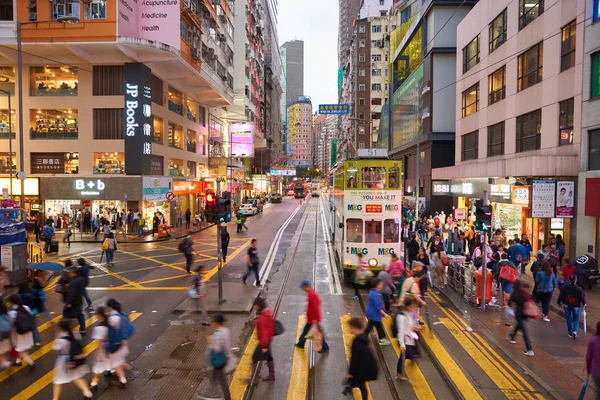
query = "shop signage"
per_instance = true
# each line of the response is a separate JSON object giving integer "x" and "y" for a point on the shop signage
{"x": 156, "y": 188}
{"x": 208, "y": 186}
{"x": 283, "y": 171}
{"x": 89, "y": 187}
{"x": 334, "y": 109}
{"x": 47, "y": 163}
{"x": 187, "y": 187}
{"x": 557, "y": 223}
{"x": 241, "y": 140}
{"x": 502, "y": 190}
{"x": 520, "y": 195}
{"x": 374, "y": 208}
{"x": 460, "y": 214}
{"x": 440, "y": 187}
{"x": 10, "y": 213}
{"x": 157, "y": 21}
{"x": 157, "y": 165}
{"x": 542, "y": 199}
{"x": 565, "y": 199}
{"x": 138, "y": 119}
{"x": 247, "y": 186}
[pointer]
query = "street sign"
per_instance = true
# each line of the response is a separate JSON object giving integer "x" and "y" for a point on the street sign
{"x": 329, "y": 109}
{"x": 170, "y": 196}
{"x": 12, "y": 213}
{"x": 21, "y": 175}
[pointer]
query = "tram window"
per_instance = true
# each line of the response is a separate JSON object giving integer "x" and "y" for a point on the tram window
{"x": 354, "y": 230}
{"x": 373, "y": 178}
{"x": 351, "y": 184}
{"x": 393, "y": 181}
{"x": 373, "y": 232}
{"x": 391, "y": 231}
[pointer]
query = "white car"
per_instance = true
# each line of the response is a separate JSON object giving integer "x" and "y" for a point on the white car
{"x": 249, "y": 209}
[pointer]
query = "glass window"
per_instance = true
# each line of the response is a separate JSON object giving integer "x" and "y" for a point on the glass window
{"x": 496, "y": 140}
{"x": 498, "y": 31}
{"x": 361, "y": 43}
{"x": 361, "y": 101}
{"x": 175, "y": 136}
{"x": 175, "y": 167}
{"x": 175, "y": 101}
{"x": 373, "y": 232}
{"x": 191, "y": 109}
{"x": 109, "y": 163}
{"x": 6, "y": 10}
{"x": 471, "y": 54}
{"x": 530, "y": 66}
{"x": 470, "y": 100}
{"x": 376, "y": 72}
{"x": 201, "y": 144}
{"x": 71, "y": 163}
{"x": 394, "y": 178}
{"x": 373, "y": 177}
{"x": 529, "y": 10}
{"x": 376, "y": 57}
{"x": 567, "y": 46}
{"x": 361, "y": 72}
{"x": 54, "y": 81}
{"x": 202, "y": 115}
{"x": 5, "y": 127}
{"x": 376, "y": 87}
{"x": 190, "y": 143}
{"x": 53, "y": 124}
{"x": 361, "y": 87}
{"x": 361, "y": 29}
{"x": 497, "y": 85}
{"x": 65, "y": 8}
{"x": 94, "y": 9}
{"x": 376, "y": 28}
{"x": 566, "y": 121}
{"x": 361, "y": 58}
{"x": 6, "y": 160}
{"x": 529, "y": 131}
{"x": 157, "y": 129}
{"x": 354, "y": 230}
{"x": 470, "y": 146}
{"x": 351, "y": 182}
{"x": 594, "y": 152}
{"x": 391, "y": 231}
{"x": 191, "y": 169}
{"x": 7, "y": 79}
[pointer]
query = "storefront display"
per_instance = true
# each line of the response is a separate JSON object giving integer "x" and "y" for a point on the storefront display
{"x": 54, "y": 81}
{"x": 508, "y": 217}
{"x": 54, "y": 163}
{"x": 175, "y": 167}
{"x": 109, "y": 163}
{"x": 54, "y": 124}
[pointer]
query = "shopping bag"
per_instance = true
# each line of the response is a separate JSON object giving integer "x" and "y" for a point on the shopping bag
{"x": 583, "y": 389}
{"x": 316, "y": 336}
{"x": 508, "y": 274}
{"x": 531, "y": 310}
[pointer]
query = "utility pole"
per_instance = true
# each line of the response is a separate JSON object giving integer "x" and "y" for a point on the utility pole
{"x": 484, "y": 258}
{"x": 219, "y": 252}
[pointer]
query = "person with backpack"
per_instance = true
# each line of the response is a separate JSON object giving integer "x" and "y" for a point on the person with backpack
{"x": 264, "y": 326}
{"x": 70, "y": 365}
{"x": 48, "y": 234}
{"x": 120, "y": 330}
{"x": 519, "y": 298}
{"x": 5, "y": 333}
{"x": 186, "y": 246}
{"x": 545, "y": 282}
{"x": 572, "y": 299}
{"x": 23, "y": 324}
{"x": 101, "y": 361}
{"x": 407, "y": 336}
{"x": 198, "y": 294}
{"x": 84, "y": 271}
{"x": 506, "y": 278}
{"x": 74, "y": 299}
{"x": 29, "y": 298}
{"x": 363, "y": 365}
{"x": 109, "y": 246}
{"x": 219, "y": 349}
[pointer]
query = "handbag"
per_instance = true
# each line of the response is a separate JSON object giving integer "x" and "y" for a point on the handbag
{"x": 104, "y": 246}
{"x": 531, "y": 310}
{"x": 445, "y": 262}
{"x": 278, "y": 328}
{"x": 315, "y": 335}
{"x": 218, "y": 359}
{"x": 508, "y": 274}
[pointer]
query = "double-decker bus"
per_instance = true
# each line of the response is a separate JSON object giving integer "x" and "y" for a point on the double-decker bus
{"x": 367, "y": 212}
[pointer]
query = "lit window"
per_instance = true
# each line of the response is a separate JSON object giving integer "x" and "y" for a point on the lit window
{"x": 5, "y": 127}
{"x": 109, "y": 163}
{"x": 565, "y": 119}
{"x": 7, "y": 79}
{"x": 191, "y": 142}
{"x": 175, "y": 167}
{"x": 471, "y": 54}
{"x": 497, "y": 86}
{"x": 529, "y": 10}
{"x": 191, "y": 109}
{"x": 567, "y": 46}
{"x": 54, "y": 81}
{"x": 94, "y": 9}
{"x": 175, "y": 136}
{"x": 530, "y": 67}
{"x": 157, "y": 129}
{"x": 498, "y": 31}
{"x": 470, "y": 100}
{"x": 53, "y": 124}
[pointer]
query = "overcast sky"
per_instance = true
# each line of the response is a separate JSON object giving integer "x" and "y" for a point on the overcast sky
{"x": 315, "y": 22}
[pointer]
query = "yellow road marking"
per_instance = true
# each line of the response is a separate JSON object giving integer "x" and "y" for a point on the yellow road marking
{"x": 413, "y": 372}
{"x": 243, "y": 370}
{"x": 52, "y": 284}
{"x": 230, "y": 257}
{"x": 164, "y": 279}
{"x": 348, "y": 339}
{"x": 152, "y": 259}
{"x": 48, "y": 324}
{"x": 116, "y": 275}
{"x": 45, "y": 380}
{"x": 126, "y": 272}
{"x": 299, "y": 377}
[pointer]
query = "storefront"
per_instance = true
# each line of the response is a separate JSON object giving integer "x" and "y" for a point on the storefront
{"x": 155, "y": 200}
{"x": 188, "y": 196}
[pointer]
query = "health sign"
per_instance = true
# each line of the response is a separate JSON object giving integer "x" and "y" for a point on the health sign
{"x": 373, "y": 208}
{"x": 334, "y": 109}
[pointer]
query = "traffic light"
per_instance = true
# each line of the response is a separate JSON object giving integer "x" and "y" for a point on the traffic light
{"x": 211, "y": 209}
{"x": 483, "y": 217}
{"x": 223, "y": 209}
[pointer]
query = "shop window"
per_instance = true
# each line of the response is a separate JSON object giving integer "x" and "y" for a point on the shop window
{"x": 354, "y": 230}
{"x": 393, "y": 178}
{"x": 566, "y": 121}
{"x": 5, "y": 161}
{"x": 201, "y": 147}
{"x": 498, "y": 31}
{"x": 496, "y": 140}
{"x": 567, "y": 46}
{"x": 109, "y": 163}
{"x": 109, "y": 80}
{"x": 6, "y": 128}
{"x": 497, "y": 86}
{"x": 65, "y": 8}
{"x": 191, "y": 109}
{"x": 175, "y": 101}
{"x": 529, "y": 10}
{"x": 94, "y": 9}
{"x": 53, "y": 124}
{"x": 530, "y": 67}
{"x": 373, "y": 177}
{"x": 54, "y": 163}
{"x": 157, "y": 90}
{"x": 109, "y": 123}
{"x": 190, "y": 143}
{"x": 157, "y": 129}
{"x": 471, "y": 54}
{"x": 54, "y": 81}
{"x": 202, "y": 115}
{"x": 529, "y": 131}
{"x": 469, "y": 146}
{"x": 391, "y": 231}
{"x": 470, "y": 100}
{"x": 175, "y": 167}
{"x": 594, "y": 151}
{"x": 175, "y": 135}
{"x": 191, "y": 169}
{"x": 7, "y": 80}
{"x": 6, "y": 10}
{"x": 373, "y": 232}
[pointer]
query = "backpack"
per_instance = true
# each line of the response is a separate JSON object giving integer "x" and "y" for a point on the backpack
{"x": 104, "y": 246}
{"x": 508, "y": 274}
{"x": 5, "y": 328}
{"x": 117, "y": 336}
{"x": 76, "y": 355}
{"x": 182, "y": 245}
{"x": 25, "y": 322}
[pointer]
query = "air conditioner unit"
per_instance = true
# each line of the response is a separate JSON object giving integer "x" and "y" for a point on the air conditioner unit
{"x": 224, "y": 77}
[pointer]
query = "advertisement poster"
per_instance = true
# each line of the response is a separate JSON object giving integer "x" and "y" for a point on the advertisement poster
{"x": 156, "y": 20}
{"x": 542, "y": 199}
{"x": 155, "y": 188}
{"x": 565, "y": 199}
{"x": 241, "y": 140}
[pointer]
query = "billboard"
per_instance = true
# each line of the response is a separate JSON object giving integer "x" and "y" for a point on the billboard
{"x": 156, "y": 20}
{"x": 138, "y": 119}
{"x": 543, "y": 194}
{"x": 277, "y": 170}
{"x": 565, "y": 199}
{"x": 156, "y": 188}
{"x": 241, "y": 140}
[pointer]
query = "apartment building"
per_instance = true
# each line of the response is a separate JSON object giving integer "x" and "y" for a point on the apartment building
{"x": 349, "y": 10}
{"x": 300, "y": 147}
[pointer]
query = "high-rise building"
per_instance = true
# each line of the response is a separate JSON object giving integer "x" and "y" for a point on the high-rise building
{"x": 294, "y": 70}
{"x": 318, "y": 125}
{"x": 349, "y": 10}
{"x": 299, "y": 117}
{"x": 323, "y": 145}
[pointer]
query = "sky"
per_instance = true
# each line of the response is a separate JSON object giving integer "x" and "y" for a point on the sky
{"x": 315, "y": 22}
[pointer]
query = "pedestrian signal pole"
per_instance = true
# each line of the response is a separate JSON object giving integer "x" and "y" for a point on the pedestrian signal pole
{"x": 219, "y": 252}
{"x": 484, "y": 250}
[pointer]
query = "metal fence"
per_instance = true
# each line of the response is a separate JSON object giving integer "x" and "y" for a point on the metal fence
{"x": 461, "y": 278}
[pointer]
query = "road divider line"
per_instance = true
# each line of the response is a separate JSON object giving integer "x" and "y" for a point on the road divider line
{"x": 241, "y": 375}
{"x": 348, "y": 338}
{"x": 111, "y": 273}
{"x": 45, "y": 380}
{"x": 297, "y": 387}
{"x": 48, "y": 324}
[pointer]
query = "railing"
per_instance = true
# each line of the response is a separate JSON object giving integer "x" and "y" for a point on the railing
{"x": 53, "y": 135}
{"x": 35, "y": 252}
{"x": 461, "y": 278}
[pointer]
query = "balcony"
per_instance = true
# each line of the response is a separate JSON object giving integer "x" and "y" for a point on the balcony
{"x": 53, "y": 134}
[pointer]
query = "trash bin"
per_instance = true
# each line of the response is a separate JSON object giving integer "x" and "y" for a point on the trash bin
{"x": 488, "y": 286}
{"x": 164, "y": 231}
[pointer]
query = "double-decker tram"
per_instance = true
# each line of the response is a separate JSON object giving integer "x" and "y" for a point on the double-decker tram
{"x": 367, "y": 198}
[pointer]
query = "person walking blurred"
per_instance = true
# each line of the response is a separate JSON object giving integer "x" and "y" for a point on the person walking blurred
{"x": 219, "y": 344}
{"x": 519, "y": 297}
{"x": 572, "y": 299}
{"x": 313, "y": 315}
{"x": 74, "y": 299}
{"x": 252, "y": 262}
{"x": 592, "y": 358}
{"x": 84, "y": 272}
{"x": 545, "y": 282}
{"x": 23, "y": 323}
{"x": 375, "y": 312}
{"x": 265, "y": 330}
{"x": 363, "y": 365}
{"x": 67, "y": 369}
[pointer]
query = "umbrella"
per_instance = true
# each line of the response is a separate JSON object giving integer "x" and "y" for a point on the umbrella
{"x": 47, "y": 266}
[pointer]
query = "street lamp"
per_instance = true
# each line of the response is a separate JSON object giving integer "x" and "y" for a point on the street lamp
{"x": 63, "y": 19}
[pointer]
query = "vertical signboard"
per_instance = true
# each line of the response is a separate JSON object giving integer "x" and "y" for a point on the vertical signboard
{"x": 156, "y": 20}
{"x": 565, "y": 199}
{"x": 542, "y": 199}
{"x": 241, "y": 140}
{"x": 138, "y": 119}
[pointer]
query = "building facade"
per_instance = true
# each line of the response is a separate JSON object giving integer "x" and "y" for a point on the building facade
{"x": 299, "y": 117}
{"x": 294, "y": 70}
{"x": 349, "y": 10}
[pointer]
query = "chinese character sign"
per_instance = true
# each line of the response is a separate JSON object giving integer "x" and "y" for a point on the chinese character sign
{"x": 241, "y": 140}
{"x": 334, "y": 109}
{"x": 138, "y": 119}
{"x": 565, "y": 199}
{"x": 520, "y": 195}
{"x": 542, "y": 199}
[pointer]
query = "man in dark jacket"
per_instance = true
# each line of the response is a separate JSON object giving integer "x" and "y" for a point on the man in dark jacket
{"x": 412, "y": 248}
{"x": 84, "y": 271}
{"x": 363, "y": 366}
{"x": 224, "y": 242}
{"x": 572, "y": 299}
{"x": 74, "y": 299}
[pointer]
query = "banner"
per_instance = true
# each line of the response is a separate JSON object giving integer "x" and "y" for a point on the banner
{"x": 542, "y": 199}
{"x": 241, "y": 140}
{"x": 565, "y": 199}
{"x": 155, "y": 188}
{"x": 138, "y": 119}
{"x": 155, "y": 20}
{"x": 11, "y": 231}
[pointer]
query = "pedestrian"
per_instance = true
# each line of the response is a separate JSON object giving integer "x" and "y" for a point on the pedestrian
{"x": 219, "y": 344}
{"x": 118, "y": 348}
{"x": 507, "y": 286}
{"x": 224, "y": 242}
{"x": 313, "y": 315}
{"x": 23, "y": 323}
{"x": 37, "y": 230}
{"x": 244, "y": 222}
{"x": 545, "y": 282}
{"x": 375, "y": 312}
{"x": 67, "y": 237}
{"x": 363, "y": 365}
{"x": 101, "y": 361}
{"x": 592, "y": 358}
{"x": 84, "y": 271}
{"x": 567, "y": 270}
{"x": 155, "y": 222}
{"x": 74, "y": 299}
{"x": 136, "y": 222}
{"x": 187, "y": 247}
{"x": 141, "y": 223}
{"x": 572, "y": 299}
{"x": 48, "y": 234}
{"x": 412, "y": 248}
{"x": 265, "y": 328}
{"x": 439, "y": 259}
{"x": 68, "y": 369}
{"x": 110, "y": 247}
{"x": 106, "y": 230}
{"x": 519, "y": 297}
{"x": 5, "y": 334}
{"x": 362, "y": 275}
{"x": 30, "y": 300}
{"x": 407, "y": 336}
{"x": 388, "y": 287}
{"x": 252, "y": 262}
{"x": 198, "y": 294}
{"x": 38, "y": 285}
{"x": 188, "y": 218}
{"x": 560, "y": 248}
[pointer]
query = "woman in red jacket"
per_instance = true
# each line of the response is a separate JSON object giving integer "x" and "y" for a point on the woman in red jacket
{"x": 265, "y": 328}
